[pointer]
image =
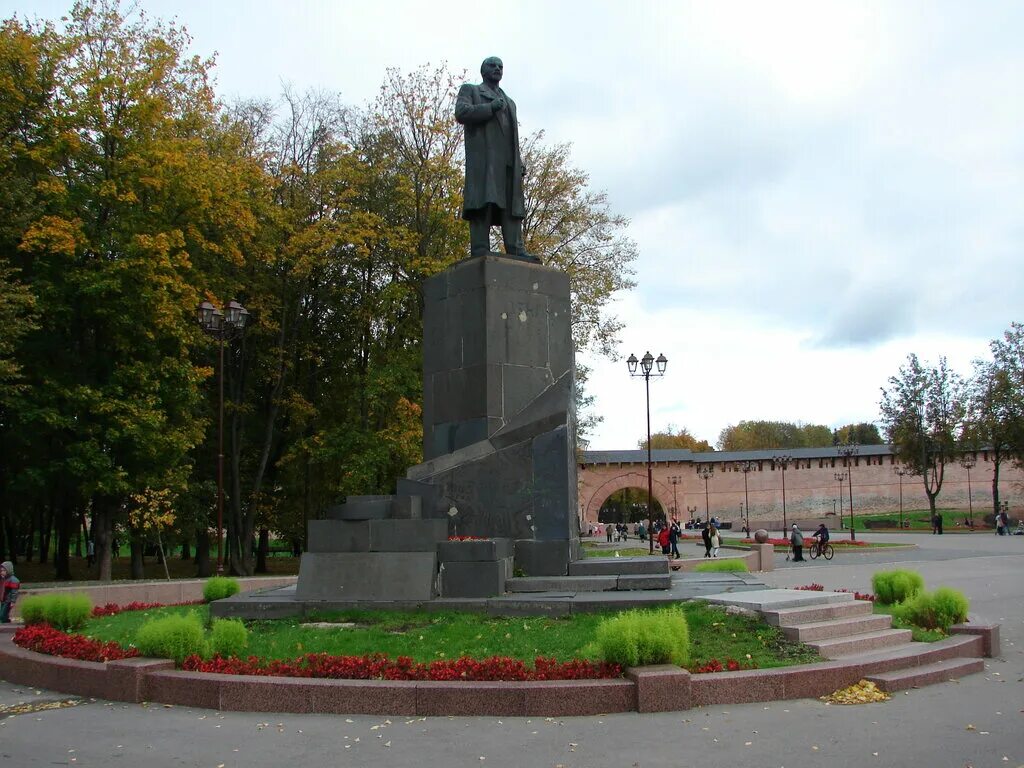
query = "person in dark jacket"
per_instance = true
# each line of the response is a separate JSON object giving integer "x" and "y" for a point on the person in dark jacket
{"x": 673, "y": 538}
{"x": 705, "y": 536}
{"x": 9, "y": 586}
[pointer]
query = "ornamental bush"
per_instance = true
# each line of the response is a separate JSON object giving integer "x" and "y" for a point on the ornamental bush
{"x": 219, "y": 587}
{"x": 896, "y": 586}
{"x": 935, "y": 610}
{"x": 60, "y": 611}
{"x": 229, "y": 638}
{"x": 731, "y": 564}
{"x": 172, "y": 637}
{"x": 638, "y": 637}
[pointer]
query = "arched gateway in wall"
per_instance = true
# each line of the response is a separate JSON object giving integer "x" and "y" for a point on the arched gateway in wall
{"x": 591, "y": 501}
{"x": 811, "y": 488}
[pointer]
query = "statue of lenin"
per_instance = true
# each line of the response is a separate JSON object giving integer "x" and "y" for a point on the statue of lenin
{"x": 493, "y": 195}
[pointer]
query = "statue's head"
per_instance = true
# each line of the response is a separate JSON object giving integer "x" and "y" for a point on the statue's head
{"x": 492, "y": 69}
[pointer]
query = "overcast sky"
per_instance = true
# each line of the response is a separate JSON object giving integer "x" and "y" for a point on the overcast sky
{"x": 817, "y": 188}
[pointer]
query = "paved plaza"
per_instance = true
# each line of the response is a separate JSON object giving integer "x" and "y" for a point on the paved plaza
{"x": 978, "y": 721}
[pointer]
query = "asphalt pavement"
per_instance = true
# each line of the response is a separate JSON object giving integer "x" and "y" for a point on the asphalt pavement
{"x": 978, "y": 721}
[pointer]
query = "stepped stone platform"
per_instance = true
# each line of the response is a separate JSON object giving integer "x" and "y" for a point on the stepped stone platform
{"x": 846, "y": 630}
{"x": 560, "y": 596}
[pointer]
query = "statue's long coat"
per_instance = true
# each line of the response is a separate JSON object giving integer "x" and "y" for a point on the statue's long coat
{"x": 484, "y": 151}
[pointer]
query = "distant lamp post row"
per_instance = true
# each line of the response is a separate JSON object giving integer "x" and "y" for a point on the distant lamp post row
{"x": 782, "y": 461}
{"x": 223, "y": 326}
{"x": 647, "y": 365}
{"x": 968, "y": 463}
{"x": 841, "y": 478}
{"x": 705, "y": 473}
{"x": 675, "y": 480}
{"x": 901, "y": 472}
{"x": 849, "y": 452}
{"x": 746, "y": 467}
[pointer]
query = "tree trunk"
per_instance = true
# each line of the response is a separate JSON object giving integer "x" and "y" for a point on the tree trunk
{"x": 138, "y": 563}
{"x": 102, "y": 530}
{"x": 262, "y": 550}
{"x": 186, "y": 550}
{"x": 61, "y": 555}
{"x": 996, "y": 460}
{"x": 3, "y": 536}
{"x": 203, "y": 568}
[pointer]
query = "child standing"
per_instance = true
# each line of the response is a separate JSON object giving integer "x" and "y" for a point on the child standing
{"x": 9, "y": 586}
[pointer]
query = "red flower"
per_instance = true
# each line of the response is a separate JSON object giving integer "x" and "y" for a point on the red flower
{"x": 42, "y": 638}
{"x": 379, "y": 667}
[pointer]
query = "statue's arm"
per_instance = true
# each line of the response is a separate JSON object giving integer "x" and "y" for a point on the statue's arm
{"x": 466, "y": 111}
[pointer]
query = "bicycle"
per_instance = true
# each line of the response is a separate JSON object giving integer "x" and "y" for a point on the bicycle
{"x": 824, "y": 549}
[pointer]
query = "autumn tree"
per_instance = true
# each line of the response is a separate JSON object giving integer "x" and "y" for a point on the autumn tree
{"x": 673, "y": 438}
{"x": 572, "y": 227}
{"x": 923, "y": 413}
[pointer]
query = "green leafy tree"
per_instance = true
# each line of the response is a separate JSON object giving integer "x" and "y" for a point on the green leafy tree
{"x": 864, "y": 433}
{"x": 767, "y": 435}
{"x": 995, "y": 419}
{"x": 923, "y": 412}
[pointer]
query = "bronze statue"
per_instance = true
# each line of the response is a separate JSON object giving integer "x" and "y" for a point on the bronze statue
{"x": 493, "y": 196}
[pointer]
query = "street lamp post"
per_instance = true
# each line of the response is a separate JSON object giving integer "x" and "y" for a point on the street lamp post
{"x": 675, "y": 480}
{"x": 901, "y": 472}
{"x": 691, "y": 510}
{"x": 745, "y": 467}
{"x": 782, "y": 460}
{"x": 705, "y": 473}
{"x": 968, "y": 463}
{"x": 646, "y": 366}
{"x": 849, "y": 451}
{"x": 841, "y": 478}
{"x": 222, "y": 325}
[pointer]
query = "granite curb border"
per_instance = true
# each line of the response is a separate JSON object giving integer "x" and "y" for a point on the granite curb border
{"x": 643, "y": 689}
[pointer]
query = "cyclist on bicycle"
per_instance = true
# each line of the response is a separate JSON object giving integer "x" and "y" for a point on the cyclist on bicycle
{"x": 822, "y": 536}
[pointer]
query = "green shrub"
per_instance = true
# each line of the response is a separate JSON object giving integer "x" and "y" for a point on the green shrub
{"x": 641, "y": 637}
{"x": 219, "y": 587}
{"x": 229, "y": 638}
{"x": 897, "y": 586}
{"x": 935, "y": 610}
{"x": 732, "y": 564}
{"x": 172, "y": 637}
{"x": 60, "y": 610}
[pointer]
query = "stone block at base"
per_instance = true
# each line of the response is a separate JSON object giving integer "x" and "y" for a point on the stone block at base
{"x": 989, "y": 634}
{"x": 367, "y": 576}
{"x": 474, "y": 551}
{"x": 543, "y": 558}
{"x": 660, "y": 688}
{"x": 475, "y": 579}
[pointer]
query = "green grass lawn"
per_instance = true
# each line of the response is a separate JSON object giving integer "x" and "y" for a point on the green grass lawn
{"x": 920, "y": 520}
{"x": 429, "y": 636}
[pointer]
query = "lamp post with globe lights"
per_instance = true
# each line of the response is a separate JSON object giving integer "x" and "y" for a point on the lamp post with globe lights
{"x": 223, "y": 326}
{"x": 705, "y": 473}
{"x": 901, "y": 472}
{"x": 840, "y": 478}
{"x": 746, "y": 467}
{"x": 968, "y": 463}
{"x": 849, "y": 452}
{"x": 647, "y": 365}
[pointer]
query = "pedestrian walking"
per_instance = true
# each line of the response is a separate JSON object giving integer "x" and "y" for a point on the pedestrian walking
{"x": 705, "y": 535}
{"x": 796, "y": 540}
